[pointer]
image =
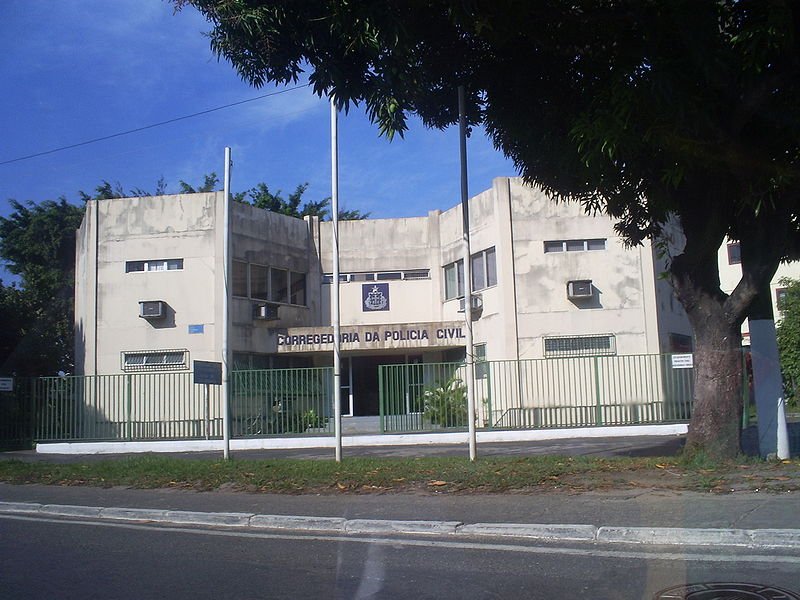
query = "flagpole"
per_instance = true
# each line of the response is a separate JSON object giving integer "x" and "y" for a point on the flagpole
{"x": 335, "y": 313}
{"x": 226, "y": 271}
{"x": 470, "y": 364}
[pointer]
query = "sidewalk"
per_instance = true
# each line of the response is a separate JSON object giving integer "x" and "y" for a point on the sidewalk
{"x": 717, "y": 519}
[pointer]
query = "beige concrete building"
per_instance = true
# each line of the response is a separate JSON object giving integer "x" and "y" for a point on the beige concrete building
{"x": 550, "y": 280}
{"x": 730, "y": 272}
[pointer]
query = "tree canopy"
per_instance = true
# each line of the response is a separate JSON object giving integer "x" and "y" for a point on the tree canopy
{"x": 648, "y": 110}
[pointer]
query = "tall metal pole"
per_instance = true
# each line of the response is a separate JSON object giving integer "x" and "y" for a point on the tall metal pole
{"x": 470, "y": 363}
{"x": 226, "y": 271}
{"x": 335, "y": 316}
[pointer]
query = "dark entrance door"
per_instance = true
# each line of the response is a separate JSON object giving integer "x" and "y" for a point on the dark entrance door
{"x": 365, "y": 382}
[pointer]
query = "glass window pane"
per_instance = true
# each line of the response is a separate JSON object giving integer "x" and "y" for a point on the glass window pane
{"x": 174, "y": 264}
{"x": 239, "y": 279}
{"x": 418, "y": 274}
{"x": 134, "y": 359}
{"x": 258, "y": 282}
{"x": 596, "y": 244}
{"x": 157, "y": 265}
{"x": 554, "y": 246}
{"x": 279, "y": 291}
{"x": 575, "y": 245}
{"x": 298, "y": 289}
{"x": 390, "y": 276}
{"x": 450, "y": 282}
{"x": 734, "y": 253}
{"x": 491, "y": 268}
{"x": 133, "y": 266}
{"x": 478, "y": 272}
{"x": 460, "y": 269}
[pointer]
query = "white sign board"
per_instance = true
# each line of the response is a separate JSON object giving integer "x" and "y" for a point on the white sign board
{"x": 682, "y": 361}
{"x": 6, "y": 384}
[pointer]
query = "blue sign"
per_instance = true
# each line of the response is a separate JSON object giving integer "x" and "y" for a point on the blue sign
{"x": 196, "y": 328}
{"x": 374, "y": 296}
{"x": 206, "y": 372}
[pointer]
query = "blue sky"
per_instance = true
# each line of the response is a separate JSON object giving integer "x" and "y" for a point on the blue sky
{"x": 73, "y": 70}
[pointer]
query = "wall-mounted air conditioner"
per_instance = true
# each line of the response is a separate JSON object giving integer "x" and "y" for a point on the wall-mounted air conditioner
{"x": 265, "y": 311}
{"x": 477, "y": 303}
{"x": 580, "y": 288}
{"x": 152, "y": 309}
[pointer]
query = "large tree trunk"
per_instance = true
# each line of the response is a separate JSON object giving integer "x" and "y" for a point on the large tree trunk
{"x": 717, "y": 414}
{"x": 716, "y": 319}
{"x": 715, "y": 427}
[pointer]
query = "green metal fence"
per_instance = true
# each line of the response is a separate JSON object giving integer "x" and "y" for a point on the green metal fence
{"x": 170, "y": 406}
{"x": 281, "y": 401}
{"x": 560, "y": 392}
{"x": 136, "y": 406}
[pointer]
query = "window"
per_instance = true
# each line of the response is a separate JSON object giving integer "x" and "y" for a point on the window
{"x": 161, "y": 264}
{"x": 417, "y": 274}
{"x": 582, "y": 345}
{"x": 240, "y": 279}
{"x": 734, "y": 253}
{"x": 587, "y": 245}
{"x": 259, "y": 282}
{"x": 780, "y": 297}
{"x": 484, "y": 274}
{"x": 389, "y": 276}
{"x": 679, "y": 342}
{"x": 454, "y": 280}
{"x": 298, "y": 289}
{"x": 481, "y": 366}
{"x": 157, "y": 360}
{"x": 259, "y": 278}
{"x": 478, "y": 272}
{"x": 279, "y": 290}
{"x": 380, "y": 276}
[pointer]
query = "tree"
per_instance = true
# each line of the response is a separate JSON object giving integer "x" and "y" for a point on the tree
{"x": 38, "y": 244}
{"x": 648, "y": 110}
{"x": 261, "y": 197}
{"x": 789, "y": 340}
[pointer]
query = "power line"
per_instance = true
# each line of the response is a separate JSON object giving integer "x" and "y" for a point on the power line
{"x": 167, "y": 122}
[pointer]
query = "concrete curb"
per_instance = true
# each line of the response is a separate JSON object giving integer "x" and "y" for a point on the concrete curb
{"x": 666, "y": 536}
{"x": 361, "y": 441}
{"x": 414, "y": 527}
{"x": 572, "y": 533}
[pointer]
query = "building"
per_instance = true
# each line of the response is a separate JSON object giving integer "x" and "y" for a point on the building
{"x": 729, "y": 260}
{"x": 550, "y": 281}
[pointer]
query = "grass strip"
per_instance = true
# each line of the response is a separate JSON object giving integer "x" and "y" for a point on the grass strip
{"x": 433, "y": 474}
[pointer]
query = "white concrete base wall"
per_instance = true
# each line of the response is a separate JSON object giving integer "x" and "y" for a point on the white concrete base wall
{"x": 408, "y": 439}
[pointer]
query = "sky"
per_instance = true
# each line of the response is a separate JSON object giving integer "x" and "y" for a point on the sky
{"x": 75, "y": 70}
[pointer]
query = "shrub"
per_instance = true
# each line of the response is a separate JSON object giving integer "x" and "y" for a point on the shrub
{"x": 447, "y": 405}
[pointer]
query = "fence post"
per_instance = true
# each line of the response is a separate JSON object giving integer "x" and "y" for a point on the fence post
{"x": 598, "y": 415}
{"x": 488, "y": 418}
{"x": 381, "y": 399}
{"x": 128, "y": 406}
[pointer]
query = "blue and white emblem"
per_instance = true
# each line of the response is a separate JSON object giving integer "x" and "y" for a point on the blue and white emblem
{"x": 375, "y": 296}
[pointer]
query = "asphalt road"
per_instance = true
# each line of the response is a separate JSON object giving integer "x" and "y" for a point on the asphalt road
{"x": 43, "y": 558}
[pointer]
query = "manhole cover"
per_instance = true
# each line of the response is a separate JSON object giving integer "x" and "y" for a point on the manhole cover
{"x": 725, "y": 591}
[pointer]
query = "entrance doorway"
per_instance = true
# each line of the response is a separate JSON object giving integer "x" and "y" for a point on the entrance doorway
{"x": 365, "y": 381}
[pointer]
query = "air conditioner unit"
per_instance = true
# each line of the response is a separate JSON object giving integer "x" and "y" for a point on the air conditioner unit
{"x": 265, "y": 311}
{"x": 581, "y": 288}
{"x": 477, "y": 303}
{"x": 152, "y": 309}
